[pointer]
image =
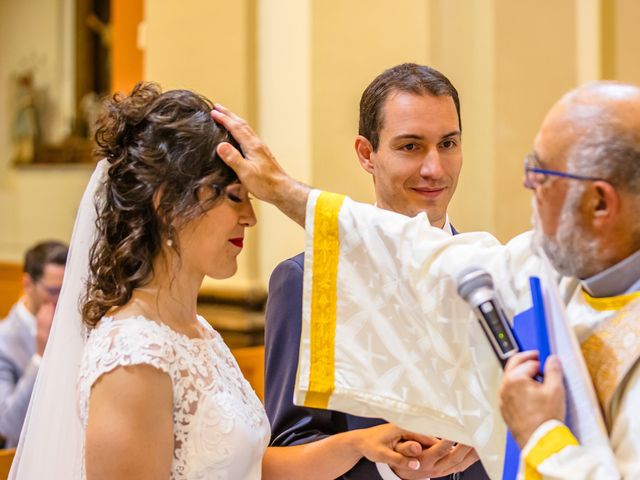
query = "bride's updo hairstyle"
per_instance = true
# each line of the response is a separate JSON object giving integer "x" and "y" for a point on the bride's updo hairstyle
{"x": 161, "y": 150}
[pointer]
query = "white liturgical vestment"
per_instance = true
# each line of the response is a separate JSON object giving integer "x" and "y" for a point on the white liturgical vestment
{"x": 385, "y": 334}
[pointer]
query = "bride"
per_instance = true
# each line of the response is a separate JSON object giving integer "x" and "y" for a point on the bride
{"x": 134, "y": 384}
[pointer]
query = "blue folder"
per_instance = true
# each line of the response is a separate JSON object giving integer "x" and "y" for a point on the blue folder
{"x": 530, "y": 330}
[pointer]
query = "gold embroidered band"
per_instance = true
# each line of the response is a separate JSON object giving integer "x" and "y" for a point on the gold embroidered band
{"x": 611, "y": 351}
{"x": 326, "y": 248}
{"x": 609, "y": 303}
{"x": 553, "y": 441}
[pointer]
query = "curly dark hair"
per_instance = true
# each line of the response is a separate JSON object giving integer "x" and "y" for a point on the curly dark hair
{"x": 161, "y": 150}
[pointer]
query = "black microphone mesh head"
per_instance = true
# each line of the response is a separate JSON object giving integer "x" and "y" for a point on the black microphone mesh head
{"x": 472, "y": 278}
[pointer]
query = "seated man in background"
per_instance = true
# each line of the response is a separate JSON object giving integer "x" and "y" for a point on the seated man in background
{"x": 24, "y": 334}
{"x": 410, "y": 142}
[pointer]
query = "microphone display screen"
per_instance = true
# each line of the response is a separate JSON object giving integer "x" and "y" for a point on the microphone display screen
{"x": 495, "y": 323}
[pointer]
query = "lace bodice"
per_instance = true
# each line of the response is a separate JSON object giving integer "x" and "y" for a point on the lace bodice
{"x": 220, "y": 427}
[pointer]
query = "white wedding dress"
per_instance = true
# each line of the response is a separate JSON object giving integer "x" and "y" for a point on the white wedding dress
{"x": 221, "y": 430}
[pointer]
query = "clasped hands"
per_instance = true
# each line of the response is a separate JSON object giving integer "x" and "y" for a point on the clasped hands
{"x": 412, "y": 456}
{"x": 437, "y": 457}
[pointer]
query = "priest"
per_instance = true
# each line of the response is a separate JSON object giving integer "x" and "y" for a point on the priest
{"x": 385, "y": 333}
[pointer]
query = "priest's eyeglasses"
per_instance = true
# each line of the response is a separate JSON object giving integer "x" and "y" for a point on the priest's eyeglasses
{"x": 534, "y": 176}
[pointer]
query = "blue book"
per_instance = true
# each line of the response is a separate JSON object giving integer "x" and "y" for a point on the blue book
{"x": 530, "y": 329}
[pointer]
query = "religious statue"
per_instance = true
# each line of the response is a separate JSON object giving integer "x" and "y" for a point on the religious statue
{"x": 25, "y": 128}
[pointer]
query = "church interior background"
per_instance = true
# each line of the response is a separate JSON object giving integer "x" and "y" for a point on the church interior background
{"x": 295, "y": 69}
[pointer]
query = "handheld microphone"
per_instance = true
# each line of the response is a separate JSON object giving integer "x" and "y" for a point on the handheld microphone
{"x": 475, "y": 285}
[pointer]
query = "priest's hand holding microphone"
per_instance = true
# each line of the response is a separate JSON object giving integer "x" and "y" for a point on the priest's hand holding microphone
{"x": 526, "y": 399}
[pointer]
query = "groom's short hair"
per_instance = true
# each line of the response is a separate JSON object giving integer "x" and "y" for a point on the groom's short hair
{"x": 408, "y": 78}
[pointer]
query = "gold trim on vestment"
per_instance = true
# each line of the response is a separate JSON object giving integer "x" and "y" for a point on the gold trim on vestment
{"x": 551, "y": 443}
{"x": 609, "y": 303}
{"x": 326, "y": 249}
{"x": 611, "y": 351}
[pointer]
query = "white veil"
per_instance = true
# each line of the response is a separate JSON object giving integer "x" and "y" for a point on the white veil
{"x": 51, "y": 442}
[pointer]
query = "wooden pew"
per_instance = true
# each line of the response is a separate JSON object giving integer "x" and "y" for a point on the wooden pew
{"x": 6, "y": 457}
{"x": 10, "y": 286}
{"x": 251, "y": 362}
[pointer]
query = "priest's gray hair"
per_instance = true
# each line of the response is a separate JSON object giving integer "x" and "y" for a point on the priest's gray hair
{"x": 605, "y": 116}
{"x": 610, "y": 152}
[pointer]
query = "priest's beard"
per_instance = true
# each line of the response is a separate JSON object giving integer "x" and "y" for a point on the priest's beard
{"x": 572, "y": 250}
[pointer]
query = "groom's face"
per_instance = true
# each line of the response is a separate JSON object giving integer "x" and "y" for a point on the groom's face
{"x": 419, "y": 156}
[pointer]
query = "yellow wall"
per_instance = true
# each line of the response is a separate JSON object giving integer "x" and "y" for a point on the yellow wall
{"x": 284, "y": 116}
{"x": 625, "y": 35}
{"x": 315, "y": 58}
{"x": 39, "y": 203}
{"x": 532, "y": 70}
{"x": 296, "y": 69}
{"x": 464, "y": 50}
{"x": 207, "y": 46}
{"x": 350, "y": 45}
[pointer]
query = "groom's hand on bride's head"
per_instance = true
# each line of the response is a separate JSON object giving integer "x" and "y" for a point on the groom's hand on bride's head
{"x": 437, "y": 459}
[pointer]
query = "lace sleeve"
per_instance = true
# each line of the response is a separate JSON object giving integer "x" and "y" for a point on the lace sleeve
{"x": 123, "y": 342}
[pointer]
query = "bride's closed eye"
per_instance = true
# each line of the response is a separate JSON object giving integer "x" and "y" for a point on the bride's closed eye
{"x": 233, "y": 197}
{"x": 238, "y": 197}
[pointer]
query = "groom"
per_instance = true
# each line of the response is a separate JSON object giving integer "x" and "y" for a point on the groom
{"x": 410, "y": 142}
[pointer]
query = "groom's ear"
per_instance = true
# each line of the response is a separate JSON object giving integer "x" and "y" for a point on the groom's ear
{"x": 365, "y": 151}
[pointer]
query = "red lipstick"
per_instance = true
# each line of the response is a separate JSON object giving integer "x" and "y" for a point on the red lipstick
{"x": 238, "y": 242}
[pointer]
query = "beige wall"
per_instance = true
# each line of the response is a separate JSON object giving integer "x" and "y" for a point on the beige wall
{"x": 38, "y": 203}
{"x": 284, "y": 121}
{"x": 207, "y": 46}
{"x": 316, "y": 57}
{"x": 532, "y": 70}
{"x": 350, "y": 45}
{"x": 464, "y": 50}
{"x": 296, "y": 70}
{"x": 625, "y": 40}
{"x": 507, "y": 74}
{"x": 204, "y": 45}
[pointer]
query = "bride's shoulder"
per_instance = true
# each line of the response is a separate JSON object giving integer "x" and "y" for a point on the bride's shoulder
{"x": 130, "y": 341}
{"x": 127, "y": 333}
{"x": 110, "y": 325}
{"x": 124, "y": 342}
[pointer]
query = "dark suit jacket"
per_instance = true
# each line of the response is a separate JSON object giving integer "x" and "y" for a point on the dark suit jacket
{"x": 290, "y": 424}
